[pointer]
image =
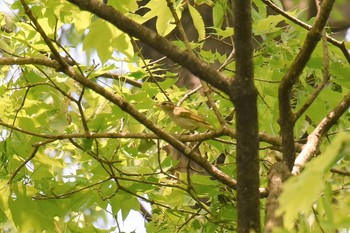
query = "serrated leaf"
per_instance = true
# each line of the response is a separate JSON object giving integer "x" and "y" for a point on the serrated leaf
{"x": 160, "y": 9}
{"x": 198, "y": 22}
{"x": 228, "y": 31}
{"x": 268, "y": 25}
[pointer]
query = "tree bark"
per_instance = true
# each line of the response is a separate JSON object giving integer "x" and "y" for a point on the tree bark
{"x": 287, "y": 116}
{"x": 245, "y": 101}
{"x": 278, "y": 173}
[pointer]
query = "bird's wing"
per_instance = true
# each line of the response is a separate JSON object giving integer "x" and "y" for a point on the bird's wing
{"x": 189, "y": 114}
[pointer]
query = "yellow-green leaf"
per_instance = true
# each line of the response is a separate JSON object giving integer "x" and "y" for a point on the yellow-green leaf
{"x": 198, "y": 22}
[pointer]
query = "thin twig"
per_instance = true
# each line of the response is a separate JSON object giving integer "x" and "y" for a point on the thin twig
{"x": 340, "y": 172}
{"x": 188, "y": 94}
{"x": 204, "y": 85}
{"x": 81, "y": 111}
{"x": 148, "y": 69}
{"x": 41, "y": 31}
{"x": 19, "y": 108}
{"x": 322, "y": 84}
{"x": 339, "y": 44}
{"x": 68, "y": 194}
{"x": 228, "y": 60}
{"x": 120, "y": 78}
{"x": 314, "y": 139}
{"x": 212, "y": 135}
{"x": 93, "y": 155}
{"x": 287, "y": 117}
{"x": 32, "y": 155}
{"x": 179, "y": 26}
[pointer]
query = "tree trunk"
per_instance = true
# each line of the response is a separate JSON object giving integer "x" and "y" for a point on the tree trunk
{"x": 244, "y": 96}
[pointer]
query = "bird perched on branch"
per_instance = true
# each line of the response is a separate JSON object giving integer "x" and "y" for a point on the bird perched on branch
{"x": 184, "y": 118}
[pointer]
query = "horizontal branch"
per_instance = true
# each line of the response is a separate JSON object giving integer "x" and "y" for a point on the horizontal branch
{"x": 180, "y": 137}
{"x": 212, "y": 135}
{"x": 29, "y": 61}
{"x": 120, "y": 78}
{"x": 55, "y": 65}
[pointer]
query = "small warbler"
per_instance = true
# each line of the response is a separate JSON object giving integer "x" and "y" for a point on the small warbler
{"x": 184, "y": 118}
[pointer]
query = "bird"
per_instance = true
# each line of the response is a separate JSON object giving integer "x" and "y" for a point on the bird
{"x": 184, "y": 118}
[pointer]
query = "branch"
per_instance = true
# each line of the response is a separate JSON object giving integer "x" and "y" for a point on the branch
{"x": 245, "y": 100}
{"x": 179, "y": 25}
{"x": 340, "y": 45}
{"x": 314, "y": 139}
{"x": 157, "y": 42}
{"x": 322, "y": 84}
{"x": 41, "y": 196}
{"x": 212, "y": 135}
{"x": 180, "y": 137}
{"x": 29, "y": 61}
{"x": 55, "y": 65}
{"x": 277, "y": 174}
{"x": 340, "y": 172}
{"x": 121, "y": 79}
{"x": 277, "y": 141}
{"x": 47, "y": 40}
{"x": 287, "y": 118}
{"x": 20, "y": 107}
{"x": 32, "y": 155}
{"x": 154, "y": 39}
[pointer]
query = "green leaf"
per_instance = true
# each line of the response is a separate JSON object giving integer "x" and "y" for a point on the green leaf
{"x": 219, "y": 11}
{"x": 310, "y": 182}
{"x": 30, "y": 217}
{"x": 165, "y": 21}
{"x": 198, "y": 22}
{"x": 228, "y": 31}
{"x": 100, "y": 38}
{"x": 341, "y": 73}
{"x": 204, "y": 180}
{"x": 137, "y": 74}
{"x": 124, "y": 6}
{"x": 125, "y": 203}
{"x": 4, "y": 46}
{"x": 87, "y": 144}
{"x": 268, "y": 25}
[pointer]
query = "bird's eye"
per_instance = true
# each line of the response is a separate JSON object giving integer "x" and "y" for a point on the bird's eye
{"x": 166, "y": 104}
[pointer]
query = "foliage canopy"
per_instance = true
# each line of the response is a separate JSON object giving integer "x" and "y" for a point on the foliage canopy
{"x": 82, "y": 138}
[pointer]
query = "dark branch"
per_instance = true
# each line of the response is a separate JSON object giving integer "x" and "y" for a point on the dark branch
{"x": 287, "y": 117}
{"x": 244, "y": 96}
{"x": 146, "y": 35}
